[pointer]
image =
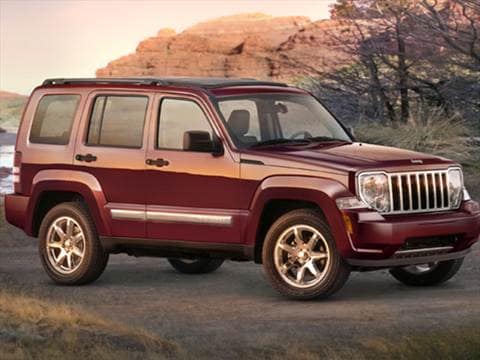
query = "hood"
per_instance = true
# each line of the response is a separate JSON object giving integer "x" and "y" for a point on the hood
{"x": 345, "y": 157}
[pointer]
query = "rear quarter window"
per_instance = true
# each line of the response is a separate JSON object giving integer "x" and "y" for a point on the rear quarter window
{"x": 53, "y": 119}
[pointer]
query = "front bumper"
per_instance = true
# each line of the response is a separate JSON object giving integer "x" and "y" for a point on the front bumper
{"x": 417, "y": 260}
{"x": 386, "y": 240}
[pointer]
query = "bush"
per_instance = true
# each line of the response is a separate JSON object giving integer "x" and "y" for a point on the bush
{"x": 428, "y": 130}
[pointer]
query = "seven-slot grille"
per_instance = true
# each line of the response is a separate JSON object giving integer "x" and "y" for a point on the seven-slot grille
{"x": 419, "y": 191}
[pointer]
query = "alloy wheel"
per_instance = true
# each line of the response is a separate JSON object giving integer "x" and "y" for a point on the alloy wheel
{"x": 302, "y": 256}
{"x": 65, "y": 245}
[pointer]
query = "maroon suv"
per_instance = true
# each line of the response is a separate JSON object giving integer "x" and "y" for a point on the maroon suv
{"x": 203, "y": 170}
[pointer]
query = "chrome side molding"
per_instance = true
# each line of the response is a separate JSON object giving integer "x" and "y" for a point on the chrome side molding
{"x": 176, "y": 217}
{"x": 172, "y": 217}
{"x": 122, "y": 214}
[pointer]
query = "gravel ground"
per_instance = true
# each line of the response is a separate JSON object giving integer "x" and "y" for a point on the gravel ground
{"x": 234, "y": 312}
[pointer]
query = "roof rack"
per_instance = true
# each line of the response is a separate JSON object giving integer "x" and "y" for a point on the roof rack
{"x": 135, "y": 81}
{"x": 206, "y": 82}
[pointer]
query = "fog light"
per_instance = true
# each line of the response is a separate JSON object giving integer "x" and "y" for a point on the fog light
{"x": 472, "y": 207}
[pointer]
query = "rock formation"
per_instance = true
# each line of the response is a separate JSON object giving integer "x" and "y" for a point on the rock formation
{"x": 251, "y": 45}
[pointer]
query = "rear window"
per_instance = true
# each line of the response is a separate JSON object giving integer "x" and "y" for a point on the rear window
{"x": 118, "y": 121}
{"x": 53, "y": 119}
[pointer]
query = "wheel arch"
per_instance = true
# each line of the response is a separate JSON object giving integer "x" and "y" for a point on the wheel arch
{"x": 52, "y": 187}
{"x": 281, "y": 194}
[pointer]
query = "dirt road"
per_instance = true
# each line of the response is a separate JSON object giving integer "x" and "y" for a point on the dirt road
{"x": 234, "y": 313}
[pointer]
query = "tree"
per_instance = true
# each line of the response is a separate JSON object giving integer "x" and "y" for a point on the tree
{"x": 406, "y": 52}
{"x": 455, "y": 24}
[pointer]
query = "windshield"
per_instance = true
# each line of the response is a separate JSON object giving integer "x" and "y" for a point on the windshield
{"x": 258, "y": 120}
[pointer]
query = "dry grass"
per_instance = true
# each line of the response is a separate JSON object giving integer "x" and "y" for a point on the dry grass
{"x": 430, "y": 133}
{"x": 458, "y": 343}
{"x": 11, "y": 111}
{"x": 36, "y": 329}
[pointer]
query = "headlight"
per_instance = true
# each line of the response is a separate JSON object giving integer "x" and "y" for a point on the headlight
{"x": 349, "y": 203}
{"x": 455, "y": 187}
{"x": 374, "y": 191}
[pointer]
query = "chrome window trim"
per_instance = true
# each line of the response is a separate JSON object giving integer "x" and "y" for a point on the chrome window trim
{"x": 408, "y": 174}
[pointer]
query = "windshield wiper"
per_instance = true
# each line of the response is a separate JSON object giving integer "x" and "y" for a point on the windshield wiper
{"x": 325, "y": 139}
{"x": 307, "y": 141}
{"x": 273, "y": 142}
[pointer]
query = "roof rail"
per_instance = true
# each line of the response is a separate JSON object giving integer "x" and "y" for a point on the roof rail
{"x": 206, "y": 82}
{"x": 135, "y": 81}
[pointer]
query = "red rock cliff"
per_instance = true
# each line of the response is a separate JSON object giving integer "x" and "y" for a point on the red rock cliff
{"x": 251, "y": 45}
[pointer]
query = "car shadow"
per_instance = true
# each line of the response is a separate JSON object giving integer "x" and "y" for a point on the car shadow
{"x": 247, "y": 280}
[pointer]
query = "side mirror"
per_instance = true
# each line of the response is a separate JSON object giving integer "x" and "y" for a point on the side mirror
{"x": 200, "y": 141}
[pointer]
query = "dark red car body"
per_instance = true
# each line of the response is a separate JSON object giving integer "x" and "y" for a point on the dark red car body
{"x": 249, "y": 187}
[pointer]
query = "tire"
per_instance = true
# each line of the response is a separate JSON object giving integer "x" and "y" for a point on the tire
{"x": 332, "y": 270}
{"x": 83, "y": 239}
{"x": 428, "y": 275}
{"x": 197, "y": 266}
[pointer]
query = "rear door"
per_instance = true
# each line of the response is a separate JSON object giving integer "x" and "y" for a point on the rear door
{"x": 112, "y": 148}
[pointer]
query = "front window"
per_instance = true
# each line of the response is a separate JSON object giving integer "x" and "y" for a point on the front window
{"x": 268, "y": 119}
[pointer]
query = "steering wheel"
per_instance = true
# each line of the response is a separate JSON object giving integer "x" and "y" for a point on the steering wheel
{"x": 305, "y": 134}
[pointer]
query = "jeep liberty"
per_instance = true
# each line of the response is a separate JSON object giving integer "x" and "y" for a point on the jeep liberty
{"x": 200, "y": 170}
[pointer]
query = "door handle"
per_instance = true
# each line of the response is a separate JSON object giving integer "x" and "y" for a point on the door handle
{"x": 157, "y": 162}
{"x": 86, "y": 158}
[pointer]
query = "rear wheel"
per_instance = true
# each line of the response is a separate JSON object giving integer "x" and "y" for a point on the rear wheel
{"x": 300, "y": 257}
{"x": 427, "y": 274}
{"x": 69, "y": 247}
{"x": 195, "y": 266}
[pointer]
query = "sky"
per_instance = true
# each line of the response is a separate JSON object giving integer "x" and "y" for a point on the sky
{"x": 72, "y": 38}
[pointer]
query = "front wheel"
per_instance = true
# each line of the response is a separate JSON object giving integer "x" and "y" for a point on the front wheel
{"x": 300, "y": 257}
{"x": 195, "y": 266}
{"x": 427, "y": 274}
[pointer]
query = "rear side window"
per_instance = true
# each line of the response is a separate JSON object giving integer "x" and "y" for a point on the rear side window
{"x": 118, "y": 121}
{"x": 53, "y": 119}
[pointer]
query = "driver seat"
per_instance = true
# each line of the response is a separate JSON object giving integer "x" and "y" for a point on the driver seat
{"x": 239, "y": 124}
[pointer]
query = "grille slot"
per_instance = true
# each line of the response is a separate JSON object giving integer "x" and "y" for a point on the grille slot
{"x": 430, "y": 242}
{"x": 422, "y": 191}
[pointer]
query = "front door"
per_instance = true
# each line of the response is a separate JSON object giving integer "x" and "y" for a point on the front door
{"x": 193, "y": 195}
{"x": 113, "y": 149}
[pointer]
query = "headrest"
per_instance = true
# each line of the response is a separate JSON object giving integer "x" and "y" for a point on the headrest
{"x": 239, "y": 122}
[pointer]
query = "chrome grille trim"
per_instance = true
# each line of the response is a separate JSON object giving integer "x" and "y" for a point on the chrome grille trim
{"x": 410, "y": 182}
{"x": 417, "y": 191}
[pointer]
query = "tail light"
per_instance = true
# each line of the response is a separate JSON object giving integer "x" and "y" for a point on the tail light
{"x": 17, "y": 166}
